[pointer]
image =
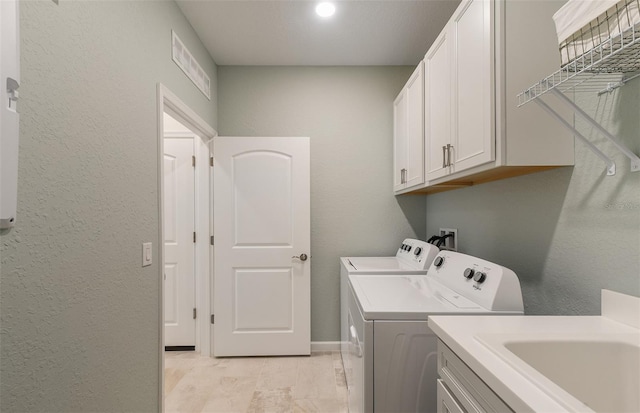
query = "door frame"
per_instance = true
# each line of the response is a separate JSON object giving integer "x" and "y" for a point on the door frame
{"x": 168, "y": 102}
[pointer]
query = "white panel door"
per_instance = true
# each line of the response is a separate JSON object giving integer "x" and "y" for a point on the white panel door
{"x": 261, "y": 223}
{"x": 473, "y": 98}
{"x": 179, "y": 247}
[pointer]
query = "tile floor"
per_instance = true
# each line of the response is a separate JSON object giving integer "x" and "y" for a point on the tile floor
{"x": 254, "y": 384}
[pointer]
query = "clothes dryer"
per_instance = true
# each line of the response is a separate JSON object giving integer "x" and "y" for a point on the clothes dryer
{"x": 391, "y": 355}
{"x": 412, "y": 257}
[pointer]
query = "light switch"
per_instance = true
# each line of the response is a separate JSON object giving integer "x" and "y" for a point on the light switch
{"x": 147, "y": 253}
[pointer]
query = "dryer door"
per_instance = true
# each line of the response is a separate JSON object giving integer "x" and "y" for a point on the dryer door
{"x": 359, "y": 372}
{"x": 406, "y": 366}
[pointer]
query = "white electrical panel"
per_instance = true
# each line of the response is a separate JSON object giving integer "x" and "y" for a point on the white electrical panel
{"x": 9, "y": 117}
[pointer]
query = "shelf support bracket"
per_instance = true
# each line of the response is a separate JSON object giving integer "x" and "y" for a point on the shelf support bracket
{"x": 635, "y": 160}
{"x": 611, "y": 166}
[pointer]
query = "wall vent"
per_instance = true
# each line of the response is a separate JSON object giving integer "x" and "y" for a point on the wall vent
{"x": 185, "y": 61}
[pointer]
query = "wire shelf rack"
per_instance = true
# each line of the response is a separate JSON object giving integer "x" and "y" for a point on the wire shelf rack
{"x": 602, "y": 69}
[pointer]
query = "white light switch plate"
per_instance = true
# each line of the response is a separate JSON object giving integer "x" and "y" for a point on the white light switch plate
{"x": 147, "y": 253}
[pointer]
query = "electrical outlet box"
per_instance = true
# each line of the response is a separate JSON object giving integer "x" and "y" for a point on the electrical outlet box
{"x": 450, "y": 243}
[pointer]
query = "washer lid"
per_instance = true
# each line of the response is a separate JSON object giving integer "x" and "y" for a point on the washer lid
{"x": 379, "y": 264}
{"x": 407, "y": 297}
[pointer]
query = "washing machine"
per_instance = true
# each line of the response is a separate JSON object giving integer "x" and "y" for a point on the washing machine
{"x": 412, "y": 257}
{"x": 391, "y": 352}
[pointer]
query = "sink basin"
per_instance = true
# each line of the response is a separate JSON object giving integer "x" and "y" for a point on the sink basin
{"x": 598, "y": 373}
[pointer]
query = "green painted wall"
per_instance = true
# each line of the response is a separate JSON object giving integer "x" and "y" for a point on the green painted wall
{"x": 79, "y": 328}
{"x": 568, "y": 232}
{"x": 347, "y": 112}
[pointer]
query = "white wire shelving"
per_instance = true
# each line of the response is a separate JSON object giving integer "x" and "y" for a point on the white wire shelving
{"x": 606, "y": 67}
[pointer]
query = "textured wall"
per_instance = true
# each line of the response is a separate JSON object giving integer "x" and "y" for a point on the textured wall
{"x": 347, "y": 112}
{"x": 79, "y": 327}
{"x": 567, "y": 233}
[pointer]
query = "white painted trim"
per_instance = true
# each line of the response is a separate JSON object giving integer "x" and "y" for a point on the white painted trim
{"x": 160, "y": 243}
{"x": 169, "y": 102}
{"x": 179, "y": 110}
{"x": 204, "y": 272}
{"x": 320, "y": 346}
{"x": 211, "y": 256}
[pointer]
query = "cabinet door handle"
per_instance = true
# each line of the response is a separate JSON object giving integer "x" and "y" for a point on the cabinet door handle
{"x": 449, "y": 147}
{"x": 444, "y": 156}
{"x": 403, "y": 176}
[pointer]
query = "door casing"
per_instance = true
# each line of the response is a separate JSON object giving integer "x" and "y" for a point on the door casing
{"x": 168, "y": 102}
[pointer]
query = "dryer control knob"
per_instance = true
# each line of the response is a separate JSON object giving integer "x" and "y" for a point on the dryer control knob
{"x": 480, "y": 277}
{"x": 468, "y": 273}
{"x": 418, "y": 251}
{"x": 438, "y": 261}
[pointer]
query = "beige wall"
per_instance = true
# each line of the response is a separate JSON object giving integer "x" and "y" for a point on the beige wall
{"x": 79, "y": 314}
{"x": 347, "y": 112}
{"x": 567, "y": 233}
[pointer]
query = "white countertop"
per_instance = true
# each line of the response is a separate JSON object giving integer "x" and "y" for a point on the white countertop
{"x": 517, "y": 390}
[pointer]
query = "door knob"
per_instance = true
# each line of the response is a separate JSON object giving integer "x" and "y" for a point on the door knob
{"x": 301, "y": 257}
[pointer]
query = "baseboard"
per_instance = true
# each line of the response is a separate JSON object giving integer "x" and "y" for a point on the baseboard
{"x": 319, "y": 346}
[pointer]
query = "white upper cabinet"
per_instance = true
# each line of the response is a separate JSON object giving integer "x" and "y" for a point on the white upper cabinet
{"x": 473, "y": 131}
{"x": 437, "y": 106}
{"x": 408, "y": 121}
{"x": 473, "y": 135}
{"x": 458, "y": 93}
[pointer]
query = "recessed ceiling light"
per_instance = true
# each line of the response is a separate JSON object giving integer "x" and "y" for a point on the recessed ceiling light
{"x": 325, "y": 9}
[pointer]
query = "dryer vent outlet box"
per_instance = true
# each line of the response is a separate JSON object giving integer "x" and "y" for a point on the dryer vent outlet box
{"x": 450, "y": 243}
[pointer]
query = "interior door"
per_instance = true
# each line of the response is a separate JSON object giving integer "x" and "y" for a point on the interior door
{"x": 179, "y": 246}
{"x": 262, "y": 246}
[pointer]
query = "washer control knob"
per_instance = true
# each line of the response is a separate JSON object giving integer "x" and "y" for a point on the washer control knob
{"x": 438, "y": 262}
{"x": 468, "y": 273}
{"x": 409, "y": 248}
{"x": 402, "y": 247}
{"x": 480, "y": 277}
{"x": 418, "y": 251}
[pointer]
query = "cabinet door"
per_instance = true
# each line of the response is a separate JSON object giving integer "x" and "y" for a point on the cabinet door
{"x": 415, "y": 128}
{"x": 437, "y": 105}
{"x": 473, "y": 86}
{"x": 399, "y": 140}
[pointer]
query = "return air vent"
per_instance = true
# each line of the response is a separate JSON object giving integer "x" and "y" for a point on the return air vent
{"x": 190, "y": 66}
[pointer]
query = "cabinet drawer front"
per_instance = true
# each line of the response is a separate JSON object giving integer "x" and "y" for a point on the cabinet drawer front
{"x": 446, "y": 402}
{"x": 469, "y": 389}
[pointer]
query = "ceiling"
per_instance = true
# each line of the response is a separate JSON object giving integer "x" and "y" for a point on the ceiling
{"x": 288, "y": 32}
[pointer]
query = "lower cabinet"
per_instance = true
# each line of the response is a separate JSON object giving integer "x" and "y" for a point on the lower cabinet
{"x": 460, "y": 390}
